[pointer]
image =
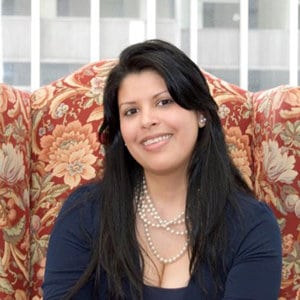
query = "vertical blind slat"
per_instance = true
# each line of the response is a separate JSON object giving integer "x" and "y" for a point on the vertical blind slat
{"x": 94, "y": 30}
{"x": 293, "y": 41}
{"x": 194, "y": 30}
{"x": 35, "y": 44}
{"x": 244, "y": 43}
{"x": 150, "y": 19}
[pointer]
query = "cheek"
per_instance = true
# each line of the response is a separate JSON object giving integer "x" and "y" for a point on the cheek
{"x": 191, "y": 130}
{"x": 191, "y": 123}
{"x": 123, "y": 132}
{"x": 127, "y": 132}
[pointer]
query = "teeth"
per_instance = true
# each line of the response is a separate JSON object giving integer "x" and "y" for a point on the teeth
{"x": 156, "y": 140}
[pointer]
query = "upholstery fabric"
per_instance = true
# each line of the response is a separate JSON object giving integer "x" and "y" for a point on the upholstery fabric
{"x": 235, "y": 111}
{"x": 50, "y": 146}
{"x": 15, "y": 128}
{"x": 65, "y": 150}
{"x": 276, "y": 168}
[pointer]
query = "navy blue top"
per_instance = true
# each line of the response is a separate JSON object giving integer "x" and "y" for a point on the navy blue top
{"x": 254, "y": 256}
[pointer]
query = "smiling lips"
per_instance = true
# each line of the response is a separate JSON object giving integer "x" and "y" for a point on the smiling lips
{"x": 158, "y": 139}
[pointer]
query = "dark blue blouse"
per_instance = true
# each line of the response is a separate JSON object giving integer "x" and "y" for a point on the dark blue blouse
{"x": 254, "y": 257}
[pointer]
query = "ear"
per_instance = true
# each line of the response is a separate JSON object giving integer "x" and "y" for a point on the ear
{"x": 201, "y": 120}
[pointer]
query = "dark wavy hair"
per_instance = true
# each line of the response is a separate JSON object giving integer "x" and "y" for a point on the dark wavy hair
{"x": 213, "y": 180}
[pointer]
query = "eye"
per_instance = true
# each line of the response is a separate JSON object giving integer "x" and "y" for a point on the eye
{"x": 130, "y": 111}
{"x": 164, "y": 102}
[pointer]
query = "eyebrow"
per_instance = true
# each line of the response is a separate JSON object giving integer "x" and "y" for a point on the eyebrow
{"x": 153, "y": 97}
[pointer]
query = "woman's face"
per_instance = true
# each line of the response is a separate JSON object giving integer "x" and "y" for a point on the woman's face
{"x": 159, "y": 134}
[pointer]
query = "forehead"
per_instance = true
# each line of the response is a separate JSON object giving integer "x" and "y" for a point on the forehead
{"x": 142, "y": 83}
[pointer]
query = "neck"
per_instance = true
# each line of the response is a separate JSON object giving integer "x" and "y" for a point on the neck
{"x": 168, "y": 193}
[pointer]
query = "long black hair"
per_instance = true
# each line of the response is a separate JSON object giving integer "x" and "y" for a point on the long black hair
{"x": 213, "y": 180}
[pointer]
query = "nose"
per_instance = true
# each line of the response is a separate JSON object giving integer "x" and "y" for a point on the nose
{"x": 148, "y": 118}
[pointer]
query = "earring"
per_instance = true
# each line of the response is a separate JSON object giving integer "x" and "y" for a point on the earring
{"x": 202, "y": 122}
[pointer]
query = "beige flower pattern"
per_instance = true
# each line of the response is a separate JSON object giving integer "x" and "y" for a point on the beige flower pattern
{"x": 278, "y": 165}
{"x": 69, "y": 152}
{"x": 238, "y": 145}
{"x": 12, "y": 167}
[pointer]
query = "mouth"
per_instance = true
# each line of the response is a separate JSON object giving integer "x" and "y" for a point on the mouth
{"x": 158, "y": 139}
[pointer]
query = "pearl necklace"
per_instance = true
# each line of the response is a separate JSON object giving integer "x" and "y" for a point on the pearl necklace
{"x": 145, "y": 206}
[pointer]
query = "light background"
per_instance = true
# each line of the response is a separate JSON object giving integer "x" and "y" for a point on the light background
{"x": 251, "y": 43}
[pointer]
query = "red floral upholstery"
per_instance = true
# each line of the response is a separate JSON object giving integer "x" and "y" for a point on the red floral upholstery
{"x": 15, "y": 128}
{"x": 65, "y": 150}
{"x": 262, "y": 131}
{"x": 235, "y": 111}
{"x": 277, "y": 172}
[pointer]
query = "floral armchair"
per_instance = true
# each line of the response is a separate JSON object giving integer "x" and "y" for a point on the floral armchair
{"x": 49, "y": 146}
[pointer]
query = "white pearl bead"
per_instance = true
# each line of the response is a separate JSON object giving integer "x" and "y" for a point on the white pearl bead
{"x": 144, "y": 206}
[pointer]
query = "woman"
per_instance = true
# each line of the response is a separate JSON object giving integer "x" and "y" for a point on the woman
{"x": 172, "y": 217}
